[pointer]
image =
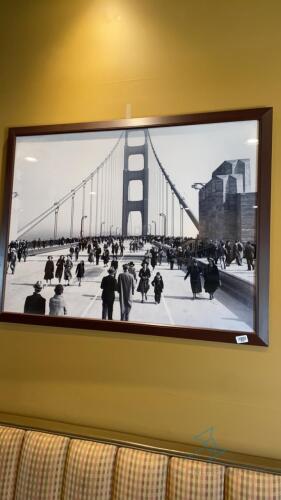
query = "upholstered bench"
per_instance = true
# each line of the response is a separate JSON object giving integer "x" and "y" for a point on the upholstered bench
{"x": 44, "y": 466}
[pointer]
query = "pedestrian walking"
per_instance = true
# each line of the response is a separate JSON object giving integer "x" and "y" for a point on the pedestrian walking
{"x": 229, "y": 253}
{"x": 238, "y": 252}
{"x": 25, "y": 253}
{"x": 12, "y": 259}
{"x": 57, "y": 304}
{"x": 158, "y": 285}
{"x": 172, "y": 259}
{"x": 143, "y": 285}
{"x": 194, "y": 272}
{"x": 126, "y": 290}
{"x": 91, "y": 255}
{"x": 49, "y": 270}
{"x": 59, "y": 268}
{"x": 122, "y": 248}
{"x": 77, "y": 251}
{"x": 153, "y": 259}
{"x": 98, "y": 253}
{"x": 132, "y": 270}
{"x": 108, "y": 286}
{"x": 19, "y": 253}
{"x": 35, "y": 303}
{"x": 222, "y": 254}
{"x": 179, "y": 258}
{"x": 71, "y": 252}
{"x": 250, "y": 255}
{"x": 80, "y": 271}
{"x": 105, "y": 257}
{"x": 160, "y": 256}
{"x": 211, "y": 278}
{"x": 67, "y": 270}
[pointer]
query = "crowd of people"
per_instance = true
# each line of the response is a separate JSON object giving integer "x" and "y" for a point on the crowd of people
{"x": 188, "y": 255}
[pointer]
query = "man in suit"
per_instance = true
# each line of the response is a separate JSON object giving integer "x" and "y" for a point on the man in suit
{"x": 108, "y": 286}
{"x": 35, "y": 304}
{"x": 126, "y": 288}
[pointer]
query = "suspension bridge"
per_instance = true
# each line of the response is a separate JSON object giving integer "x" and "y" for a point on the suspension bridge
{"x": 129, "y": 193}
{"x": 130, "y": 180}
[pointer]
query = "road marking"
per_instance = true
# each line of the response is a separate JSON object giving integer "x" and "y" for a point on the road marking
{"x": 85, "y": 312}
{"x": 167, "y": 311}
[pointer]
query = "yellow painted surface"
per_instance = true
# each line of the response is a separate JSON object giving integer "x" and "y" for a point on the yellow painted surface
{"x": 85, "y": 60}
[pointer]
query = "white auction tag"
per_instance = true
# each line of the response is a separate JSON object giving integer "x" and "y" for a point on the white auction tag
{"x": 242, "y": 339}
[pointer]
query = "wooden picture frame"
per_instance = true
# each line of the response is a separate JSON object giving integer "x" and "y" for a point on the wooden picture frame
{"x": 225, "y": 181}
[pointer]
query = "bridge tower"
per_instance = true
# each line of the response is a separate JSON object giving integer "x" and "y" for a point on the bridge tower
{"x": 134, "y": 175}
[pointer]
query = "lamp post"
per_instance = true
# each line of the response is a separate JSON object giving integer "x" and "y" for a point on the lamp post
{"x": 154, "y": 222}
{"x": 112, "y": 225}
{"x": 165, "y": 222}
{"x": 197, "y": 185}
{"x": 82, "y": 225}
{"x": 101, "y": 224}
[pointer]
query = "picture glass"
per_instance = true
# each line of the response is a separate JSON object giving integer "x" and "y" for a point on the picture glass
{"x": 176, "y": 206}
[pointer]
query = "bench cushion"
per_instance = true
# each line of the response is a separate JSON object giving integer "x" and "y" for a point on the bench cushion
{"x": 41, "y": 467}
{"x": 242, "y": 484}
{"x": 10, "y": 447}
{"x": 140, "y": 475}
{"x": 194, "y": 480}
{"x": 89, "y": 471}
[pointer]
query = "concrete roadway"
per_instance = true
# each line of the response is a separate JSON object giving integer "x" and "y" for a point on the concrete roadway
{"x": 176, "y": 308}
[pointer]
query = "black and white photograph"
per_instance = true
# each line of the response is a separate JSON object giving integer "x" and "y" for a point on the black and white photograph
{"x": 149, "y": 225}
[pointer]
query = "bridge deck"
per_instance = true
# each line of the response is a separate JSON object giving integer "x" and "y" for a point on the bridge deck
{"x": 176, "y": 307}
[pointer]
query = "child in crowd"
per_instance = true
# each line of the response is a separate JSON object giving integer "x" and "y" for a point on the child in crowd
{"x": 158, "y": 285}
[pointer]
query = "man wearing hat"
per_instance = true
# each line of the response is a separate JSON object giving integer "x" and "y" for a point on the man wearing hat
{"x": 35, "y": 303}
{"x": 108, "y": 286}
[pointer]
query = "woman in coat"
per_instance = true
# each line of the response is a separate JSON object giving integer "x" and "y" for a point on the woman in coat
{"x": 67, "y": 270}
{"x": 153, "y": 260}
{"x": 143, "y": 285}
{"x": 80, "y": 271}
{"x": 194, "y": 272}
{"x": 211, "y": 278}
{"x": 60, "y": 266}
{"x": 49, "y": 270}
{"x": 105, "y": 257}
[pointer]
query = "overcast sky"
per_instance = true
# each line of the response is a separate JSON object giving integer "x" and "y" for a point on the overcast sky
{"x": 188, "y": 153}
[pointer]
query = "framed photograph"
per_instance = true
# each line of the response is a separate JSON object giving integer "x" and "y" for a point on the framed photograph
{"x": 156, "y": 226}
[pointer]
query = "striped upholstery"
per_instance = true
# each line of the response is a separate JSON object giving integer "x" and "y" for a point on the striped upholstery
{"x": 89, "y": 471}
{"x": 140, "y": 475}
{"x": 242, "y": 484}
{"x": 10, "y": 446}
{"x": 41, "y": 467}
{"x": 193, "y": 480}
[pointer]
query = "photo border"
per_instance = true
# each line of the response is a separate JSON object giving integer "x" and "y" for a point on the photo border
{"x": 260, "y": 336}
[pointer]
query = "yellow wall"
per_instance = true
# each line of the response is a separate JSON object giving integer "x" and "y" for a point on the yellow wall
{"x": 84, "y": 60}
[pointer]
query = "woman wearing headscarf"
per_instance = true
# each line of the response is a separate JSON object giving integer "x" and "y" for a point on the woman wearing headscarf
{"x": 49, "y": 270}
{"x": 194, "y": 272}
{"x": 211, "y": 278}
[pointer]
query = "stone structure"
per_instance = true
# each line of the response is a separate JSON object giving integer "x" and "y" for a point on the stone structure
{"x": 227, "y": 205}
